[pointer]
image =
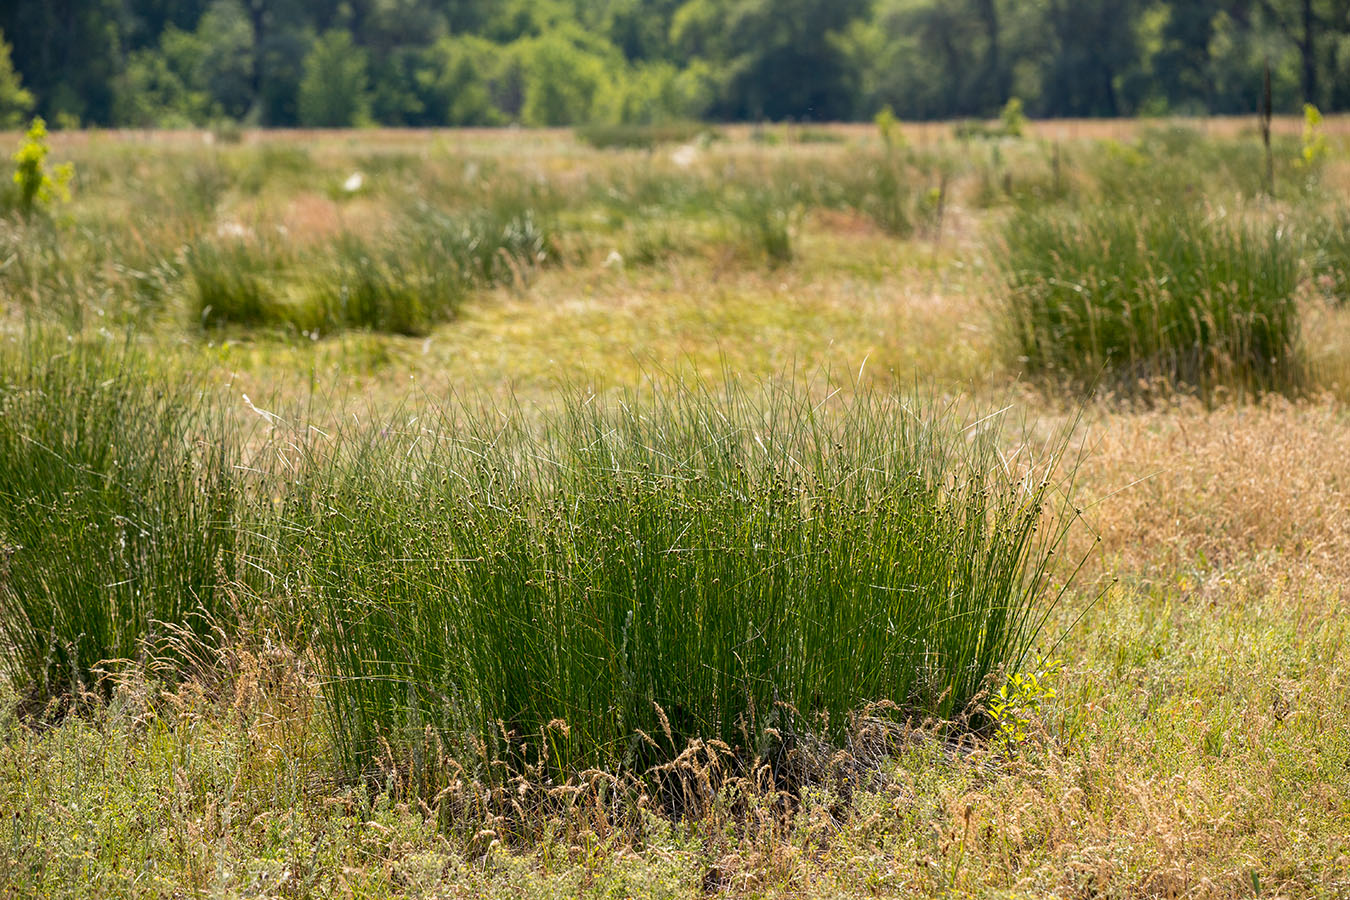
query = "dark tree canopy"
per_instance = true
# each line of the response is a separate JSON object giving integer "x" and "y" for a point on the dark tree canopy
{"x": 150, "y": 63}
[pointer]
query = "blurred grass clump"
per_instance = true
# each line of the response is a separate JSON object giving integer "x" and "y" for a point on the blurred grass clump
{"x": 402, "y": 280}
{"x": 644, "y": 137}
{"x": 1136, "y": 295}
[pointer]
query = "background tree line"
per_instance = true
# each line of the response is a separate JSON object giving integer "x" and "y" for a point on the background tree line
{"x": 156, "y": 63}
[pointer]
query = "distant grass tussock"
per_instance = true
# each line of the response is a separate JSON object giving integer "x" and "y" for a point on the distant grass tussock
{"x": 393, "y": 286}
{"x": 403, "y": 281}
{"x": 236, "y": 281}
{"x": 644, "y": 137}
{"x": 1329, "y": 254}
{"x": 1131, "y": 295}
{"x": 629, "y": 577}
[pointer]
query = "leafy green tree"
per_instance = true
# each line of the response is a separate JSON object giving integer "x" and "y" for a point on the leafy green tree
{"x": 456, "y": 81}
{"x": 1092, "y": 52}
{"x": 1308, "y": 25}
{"x": 15, "y": 101}
{"x": 334, "y": 92}
{"x": 165, "y": 86}
{"x": 930, "y": 58}
{"x": 562, "y": 80}
{"x": 167, "y": 62}
{"x": 640, "y": 29}
{"x": 283, "y": 32}
{"x": 147, "y": 20}
{"x": 68, "y": 54}
{"x": 656, "y": 92}
{"x": 782, "y": 58}
{"x": 227, "y": 73}
{"x": 510, "y": 20}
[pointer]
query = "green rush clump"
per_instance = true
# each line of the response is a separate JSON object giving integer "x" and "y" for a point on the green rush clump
{"x": 1129, "y": 296}
{"x": 119, "y": 503}
{"x": 620, "y": 579}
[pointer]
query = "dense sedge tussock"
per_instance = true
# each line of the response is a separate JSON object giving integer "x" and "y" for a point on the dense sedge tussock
{"x": 628, "y": 577}
{"x": 236, "y": 281}
{"x": 119, "y": 513}
{"x": 1130, "y": 295}
{"x": 403, "y": 281}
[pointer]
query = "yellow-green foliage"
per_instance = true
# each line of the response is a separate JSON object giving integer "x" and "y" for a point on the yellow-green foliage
{"x": 1013, "y": 118}
{"x": 1315, "y": 148}
{"x": 1019, "y": 702}
{"x": 39, "y": 188}
{"x": 889, "y": 127}
{"x": 15, "y": 100}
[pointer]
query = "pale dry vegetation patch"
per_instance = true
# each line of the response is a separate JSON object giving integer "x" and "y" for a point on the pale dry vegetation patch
{"x": 1182, "y": 487}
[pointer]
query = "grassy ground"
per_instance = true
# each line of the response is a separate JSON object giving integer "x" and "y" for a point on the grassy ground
{"x": 1193, "y": 743}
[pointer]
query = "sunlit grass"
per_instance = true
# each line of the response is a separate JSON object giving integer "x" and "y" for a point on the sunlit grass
{"x": 623, "y": 577}
{"x": 119, "y": 515}
{"x": 1130, "y": 296}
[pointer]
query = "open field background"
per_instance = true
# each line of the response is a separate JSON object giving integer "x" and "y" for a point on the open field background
{"x": 336, "y": 314}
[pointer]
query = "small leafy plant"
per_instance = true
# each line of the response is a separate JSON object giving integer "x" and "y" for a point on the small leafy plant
{"x": 889, "y": 127}
{"x": 1019, "y": 702}
{"x": 1013, "y": 119}
{"x": 39, "y": 187}
{"x": 1315, "y": 148}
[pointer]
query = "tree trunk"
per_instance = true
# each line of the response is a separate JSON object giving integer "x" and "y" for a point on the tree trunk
{"x": 991, "y": 78}
{"x": 1308, "y": 47}
{"x": 257, "y": 18}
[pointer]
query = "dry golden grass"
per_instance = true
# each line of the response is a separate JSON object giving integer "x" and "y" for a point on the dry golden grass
{"x": 1185, "y": 488}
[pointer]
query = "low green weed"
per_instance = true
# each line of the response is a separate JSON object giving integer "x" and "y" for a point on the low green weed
{"x": 1019, "y": 702}
{"x": 1315, "y": 150}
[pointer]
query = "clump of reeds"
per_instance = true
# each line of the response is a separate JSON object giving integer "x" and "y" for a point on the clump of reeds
{"x": 618, "y": 579}
{"x": 236, "y": 280}
{"x": 119, "y": 513}
{"x": 766, "y": 221}
{"x": 404, "y": 280}
{"x": 397, "y": 287}
{"x": 1129, "y": 296}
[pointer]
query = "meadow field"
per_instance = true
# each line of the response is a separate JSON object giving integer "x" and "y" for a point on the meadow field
{"x": 780, "y": 511}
